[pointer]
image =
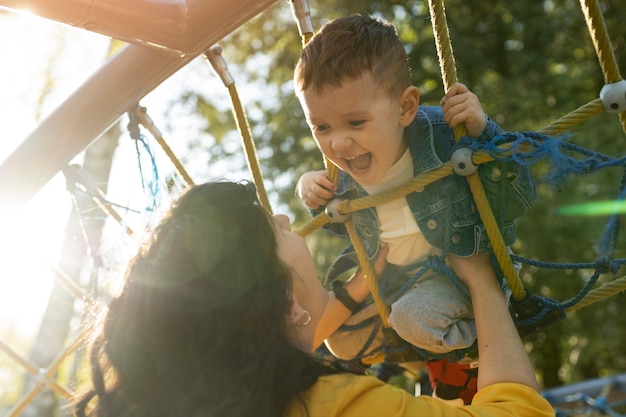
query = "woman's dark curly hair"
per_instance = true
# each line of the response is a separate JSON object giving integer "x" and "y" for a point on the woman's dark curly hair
{"x": 200, "y": 326}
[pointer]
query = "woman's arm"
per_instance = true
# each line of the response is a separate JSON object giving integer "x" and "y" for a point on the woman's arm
{"x": 336, "y": 313}
{"x": 502, "y": 356}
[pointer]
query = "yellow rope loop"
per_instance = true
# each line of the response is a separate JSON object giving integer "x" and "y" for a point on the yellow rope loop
{"x": 314, "y": 224}
{"x": 448, "y": 70}
{"x": 599, "y": 294}
{"x": 574, "y": 118}
{"x": 369, "y": 273}
{"x": 601, "y": 40}
{"x": 250, "y": 150}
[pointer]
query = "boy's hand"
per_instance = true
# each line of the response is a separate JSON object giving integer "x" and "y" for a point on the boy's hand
{"x": 315, "y": 189}
{"x": 460, "y": 105}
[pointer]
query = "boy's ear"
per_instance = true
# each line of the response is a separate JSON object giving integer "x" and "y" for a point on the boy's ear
{"x": 409, "y": 103}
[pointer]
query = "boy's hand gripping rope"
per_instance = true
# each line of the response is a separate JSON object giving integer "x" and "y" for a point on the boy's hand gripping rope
{"x": 448, "y": 69}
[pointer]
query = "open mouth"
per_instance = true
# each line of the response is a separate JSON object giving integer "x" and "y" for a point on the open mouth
{"x": 360, "y": 163}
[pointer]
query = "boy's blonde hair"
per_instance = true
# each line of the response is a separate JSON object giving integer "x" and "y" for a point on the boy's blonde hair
{"x": 347, "y": 47}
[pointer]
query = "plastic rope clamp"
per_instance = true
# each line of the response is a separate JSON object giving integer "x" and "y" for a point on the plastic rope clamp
{"x": 41, "y": 378}
{"x": 613, "y": 97}
{"x": 302, "y": 14}
{"x": 332, "y": 211}
{"x": 527, "y": 317}
{"x": 214, "y": 55}
{"x": 462, "y": 162}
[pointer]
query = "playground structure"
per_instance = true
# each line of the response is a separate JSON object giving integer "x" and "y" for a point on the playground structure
{"x": 191, "y": 29}
{"x": 160, "y": 42}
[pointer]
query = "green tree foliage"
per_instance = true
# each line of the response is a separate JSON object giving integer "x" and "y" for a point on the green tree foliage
{"x": 530, "y": 63}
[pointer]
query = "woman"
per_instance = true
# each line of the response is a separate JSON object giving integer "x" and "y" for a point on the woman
{"x": 223, "y": 307}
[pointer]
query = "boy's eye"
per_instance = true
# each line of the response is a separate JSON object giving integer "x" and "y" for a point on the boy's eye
{"x": 320, "y": 128}
{"x": 357, "y": 122}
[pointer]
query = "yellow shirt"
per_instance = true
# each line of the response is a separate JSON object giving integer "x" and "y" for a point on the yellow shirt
{"x": 347, "y": 395}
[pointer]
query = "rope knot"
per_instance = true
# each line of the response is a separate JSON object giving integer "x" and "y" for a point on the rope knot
{"x": 605, "y": 264}
{"x": 435, "y": 263}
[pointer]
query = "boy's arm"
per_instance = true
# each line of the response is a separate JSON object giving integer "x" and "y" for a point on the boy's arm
{"x": 491, "y": 130}
{"x": 315, "y": 189}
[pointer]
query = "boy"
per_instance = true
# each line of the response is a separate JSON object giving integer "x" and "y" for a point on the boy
{"x": 353, "y": 83}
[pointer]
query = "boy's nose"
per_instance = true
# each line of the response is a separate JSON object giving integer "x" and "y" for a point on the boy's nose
{"x": 341, "y": 141}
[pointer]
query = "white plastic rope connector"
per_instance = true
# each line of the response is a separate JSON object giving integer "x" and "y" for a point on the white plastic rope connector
{"x": 214, "y": 55}
{"x": 41, "y": 379}
{"x": 332, "y": 211}
{"x": 613, "y": 97}
{"x": 302, "y": 14}
{"x": 462, "y": 164}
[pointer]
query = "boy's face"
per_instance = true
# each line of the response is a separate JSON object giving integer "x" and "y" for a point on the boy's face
{"x": 358, "y": 126}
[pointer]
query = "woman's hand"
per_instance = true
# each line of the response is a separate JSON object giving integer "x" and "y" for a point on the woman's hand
{"x": 474, "y": 271}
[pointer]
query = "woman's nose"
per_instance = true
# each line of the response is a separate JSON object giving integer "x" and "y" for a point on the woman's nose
{"x": 283, "y": 221}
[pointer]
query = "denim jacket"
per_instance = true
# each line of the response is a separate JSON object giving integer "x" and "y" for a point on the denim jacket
{"x": 445, "y": 210}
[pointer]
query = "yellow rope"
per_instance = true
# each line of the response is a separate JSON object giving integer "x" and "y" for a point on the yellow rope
{"x": 442, "y": 42}
{"x": 248, "y": 143}
{"x": 214, "y": 56}
{"x": 577, "y": 116}
{"x": 321, "y": 219}
{"x": 368, "y": 272}
{"x": 605, "y": 291}
{"x": 448, "y": 69}
{"x": 446, "y": 61}
{"x": 415, "y": 184}
{"x": 76, "y": 174}
{"x": 306, "y": 37}
{"x": 333, "y": 171}
{"x": 602, "y": 43}
{"x": 313, "y": 224}
{"x": 350, "y": 206}
{"x": 142, "y": 115}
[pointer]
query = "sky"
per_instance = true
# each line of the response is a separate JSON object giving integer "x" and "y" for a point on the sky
{"x": 33, "y": 50}
{"x": 30, "y": 48}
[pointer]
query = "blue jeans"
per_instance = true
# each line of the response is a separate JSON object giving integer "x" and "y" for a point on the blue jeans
{"x": 434, "y": 315}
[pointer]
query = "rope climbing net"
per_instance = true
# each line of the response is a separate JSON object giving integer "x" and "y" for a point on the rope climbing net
{"x": 523, "y": 148}
{"x": 532, "y": 312}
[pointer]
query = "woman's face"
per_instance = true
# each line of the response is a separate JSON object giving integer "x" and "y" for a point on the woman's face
{"x": 308, "y": 290}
